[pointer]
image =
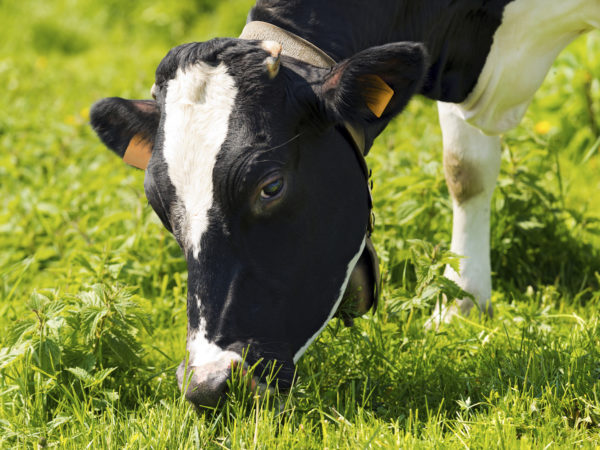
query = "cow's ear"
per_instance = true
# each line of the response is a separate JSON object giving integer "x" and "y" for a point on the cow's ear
{"x": 127, "y": 127}
{"x": 374, "y": 83}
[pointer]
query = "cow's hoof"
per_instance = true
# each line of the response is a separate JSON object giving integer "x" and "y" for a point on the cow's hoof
{"x": 444, "y": 313}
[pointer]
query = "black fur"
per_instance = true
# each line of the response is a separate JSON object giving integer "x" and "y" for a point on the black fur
{"x": 401, "y": 65}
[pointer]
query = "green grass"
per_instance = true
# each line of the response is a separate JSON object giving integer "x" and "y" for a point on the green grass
{"x": 92, "y": 288}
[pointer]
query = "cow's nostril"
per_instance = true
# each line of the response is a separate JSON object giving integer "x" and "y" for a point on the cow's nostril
{"x": 204, "y": 385}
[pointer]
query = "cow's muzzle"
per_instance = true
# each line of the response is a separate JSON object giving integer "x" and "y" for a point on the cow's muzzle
{"x": 204, "y": 385}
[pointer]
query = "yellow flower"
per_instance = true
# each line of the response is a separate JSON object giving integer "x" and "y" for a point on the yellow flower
{"x": 41, "y": 63}
{"x": 542, "y": 127}
{"x": 85, "y": 113}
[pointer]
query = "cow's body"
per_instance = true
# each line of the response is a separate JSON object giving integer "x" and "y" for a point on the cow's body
{"x": 220, "y": 121}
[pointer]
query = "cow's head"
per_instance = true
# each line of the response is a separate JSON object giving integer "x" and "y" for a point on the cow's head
{"x": 252, "y": 171}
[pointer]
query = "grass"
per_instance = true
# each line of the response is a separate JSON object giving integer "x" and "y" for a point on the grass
{"x": 92, "y": 287}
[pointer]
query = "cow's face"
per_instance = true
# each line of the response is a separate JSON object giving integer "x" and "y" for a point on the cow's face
{"x": 253, "y": 174}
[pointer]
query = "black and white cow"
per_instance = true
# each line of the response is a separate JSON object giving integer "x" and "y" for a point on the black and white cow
{"x": 252, "y": 147}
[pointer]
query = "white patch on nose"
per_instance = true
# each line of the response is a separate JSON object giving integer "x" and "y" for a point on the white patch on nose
{"x": 203, "y": 352}
{"x": 198, "y": 104}
{"x": 349, "y": 270}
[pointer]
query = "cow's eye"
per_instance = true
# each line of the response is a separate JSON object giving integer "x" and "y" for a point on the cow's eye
{"x": 272, "y": 188}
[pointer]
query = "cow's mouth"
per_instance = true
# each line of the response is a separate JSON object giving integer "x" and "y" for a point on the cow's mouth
{"x": 207, "y": 386}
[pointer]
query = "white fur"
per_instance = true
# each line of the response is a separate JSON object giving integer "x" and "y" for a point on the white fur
{"x": 203, "y": 352}
{"x": 471, "y": 220}
{"x": 532, "y": 34}
{"x": 198, "y": 104}
{"x": 349, "y": 270}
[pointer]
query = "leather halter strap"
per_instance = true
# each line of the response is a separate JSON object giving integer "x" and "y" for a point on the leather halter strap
{"x": 293, "y": 45}
{"x": 296, "y": 47}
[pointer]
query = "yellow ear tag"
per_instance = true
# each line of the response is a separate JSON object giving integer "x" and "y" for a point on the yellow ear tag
{"x": 138, "y": 152}
{"x": 378, "y": 94}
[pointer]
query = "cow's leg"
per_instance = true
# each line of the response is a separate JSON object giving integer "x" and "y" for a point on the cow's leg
{"x": 471, "y": 166}
{"x": 539, "y": 30}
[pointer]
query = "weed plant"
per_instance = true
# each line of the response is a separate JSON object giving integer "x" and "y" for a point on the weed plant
{"x": 92, "y": 288}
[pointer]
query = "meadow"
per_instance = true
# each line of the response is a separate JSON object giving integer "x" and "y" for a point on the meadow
{"x": 92, "y": 287}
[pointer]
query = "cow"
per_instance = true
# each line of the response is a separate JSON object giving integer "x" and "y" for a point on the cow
{"x": 253, "y": 150}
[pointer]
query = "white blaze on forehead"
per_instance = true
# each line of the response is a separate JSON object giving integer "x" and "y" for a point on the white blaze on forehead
{"x": 198, "y": 104}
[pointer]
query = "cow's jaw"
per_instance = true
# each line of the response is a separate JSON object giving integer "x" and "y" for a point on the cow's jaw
{"x": 349, "y": 270}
